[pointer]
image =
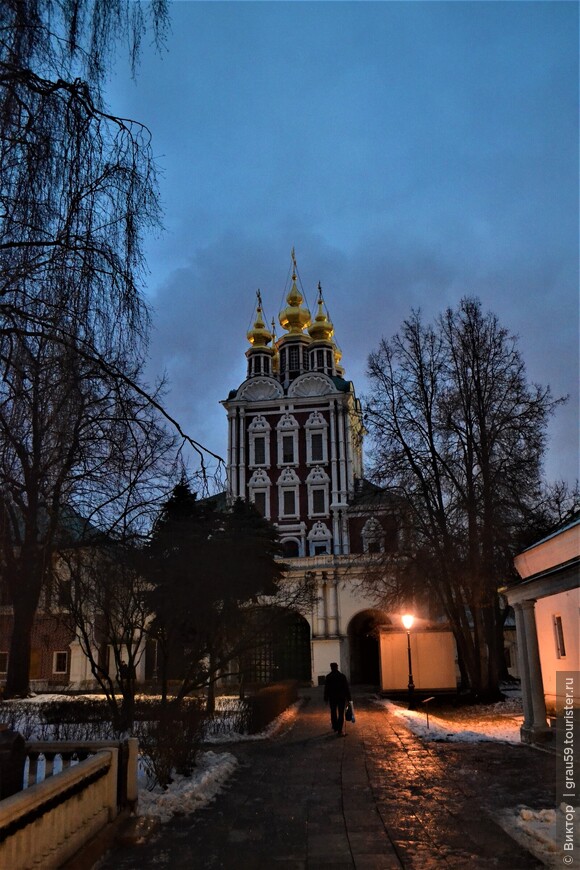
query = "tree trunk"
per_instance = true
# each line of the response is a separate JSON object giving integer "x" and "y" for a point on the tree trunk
{"x": 18, "y": 676}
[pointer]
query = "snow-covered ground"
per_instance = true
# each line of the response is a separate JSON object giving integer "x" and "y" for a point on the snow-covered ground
{"x": 500, "y": 721}
{"x": 536, "y": 830}
{"x": 187, "y": 794}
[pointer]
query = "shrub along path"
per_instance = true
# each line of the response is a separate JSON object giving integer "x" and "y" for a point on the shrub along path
{"x": 380, "y": 799}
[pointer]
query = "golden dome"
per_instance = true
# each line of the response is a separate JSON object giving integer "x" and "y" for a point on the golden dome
{"x": 276, "y": 357}
{"x": 294, "y": 318}
{"x": 259, "y": 335}
{"x": 321, "y": 328}
{"x": 337, "y": 358}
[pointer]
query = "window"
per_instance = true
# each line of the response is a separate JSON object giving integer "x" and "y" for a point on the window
{"x": 287, "y": 448}
{"x": 260, "y": 502}
{"x": 318, "y": 501}
{"x": 259, "y": 450}
{"x": 60, "y": 663}
{"x": 305, "y": 363}
{"x": 290, "y": 548}
{"x": 317, "y": 483}
{"x": 259, "y": 490}
{"x": 3, "y": 662}
{"x": 287, "y": 438}
{"x": 257, "y": 365}
{"x": 289, "y": 502}
{"x": 259, "y": 441}
{"x": 559, "y": 631}
{"x": 266, "y": 365}
{"x": 373, "y": 536}
{"x": 316, "y": 451}
{"x": 316, "y": 439}
{"x": 294, "y": 358}
{"x": 319, "y": 548}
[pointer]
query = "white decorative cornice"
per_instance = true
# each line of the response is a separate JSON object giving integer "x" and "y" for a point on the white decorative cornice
{"x": 259, "y": 424}
{"x": 311, "y": 384}
{"x": 287, "y": 421}
{"x": 316, "y": 421}
{"x": 319, "y": 532}
{"x": 260, "y": 389}
{"x": 317, "y": 475}
{"x": 259, "y": 478}
{"x": 288, "y": 477}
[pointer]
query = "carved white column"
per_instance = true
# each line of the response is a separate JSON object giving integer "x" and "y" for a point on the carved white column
{"x": 234, "y": 460}
{"x": 342, "y": 456}
{"x": 242, "y": 442}
{"x": 534, "y": 726}
{"x": 348, "y": 436}
{"x": 321, "y": 610}
{"x": 332, "y": 594}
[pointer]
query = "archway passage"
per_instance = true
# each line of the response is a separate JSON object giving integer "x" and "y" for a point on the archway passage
{"x": 283, "y": 652}
{"x": 363, "y": 637}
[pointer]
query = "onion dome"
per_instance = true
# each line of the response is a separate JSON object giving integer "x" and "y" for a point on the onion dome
{"x": 337, "y": 358}
{"x": 294, "y": 318}
{"x": 321, "y": 328}
{"x": 276, "y": 357}
{"x": 259, "y": 335}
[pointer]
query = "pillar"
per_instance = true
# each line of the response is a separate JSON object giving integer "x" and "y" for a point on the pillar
{"x": 534, "y": 728}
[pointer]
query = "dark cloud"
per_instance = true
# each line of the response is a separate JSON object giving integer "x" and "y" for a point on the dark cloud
{"x": 413, "y": 154}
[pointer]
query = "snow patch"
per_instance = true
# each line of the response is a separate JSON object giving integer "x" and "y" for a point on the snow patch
{"x": 494, "y": 722}
{"x": 185, "y": 795}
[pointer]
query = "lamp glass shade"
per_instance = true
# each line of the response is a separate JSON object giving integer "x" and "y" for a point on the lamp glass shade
{"x": 408, "y": 621}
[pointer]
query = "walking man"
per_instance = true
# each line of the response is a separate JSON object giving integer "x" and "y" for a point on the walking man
{"x": 336, "y": 694}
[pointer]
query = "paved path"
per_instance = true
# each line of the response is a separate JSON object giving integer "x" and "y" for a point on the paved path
{"x": 378, "y": 799}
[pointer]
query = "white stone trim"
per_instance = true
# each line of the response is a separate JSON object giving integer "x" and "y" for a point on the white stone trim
{"x": 289, "y": 426}
{"x": 316, "y": 424}
{"x": 311, "y": 384}
{"x": 259, "y": 428}
{"x": 258, "y": 389}
{"x": 372, "y": 532}
{"x": 288, "y": 482}
{"x": 319, "y": 533}
{"x": 260, "y": 482}
{"x": 317, "y": 479}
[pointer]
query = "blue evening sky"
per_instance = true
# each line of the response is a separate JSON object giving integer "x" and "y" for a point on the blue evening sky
{"x": 412, "y": 152}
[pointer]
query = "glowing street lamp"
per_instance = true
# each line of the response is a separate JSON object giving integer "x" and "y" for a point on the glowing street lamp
{"x": 408, "y": 621}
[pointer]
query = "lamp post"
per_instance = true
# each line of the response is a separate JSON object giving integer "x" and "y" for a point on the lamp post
{"x": 408, "y": 621}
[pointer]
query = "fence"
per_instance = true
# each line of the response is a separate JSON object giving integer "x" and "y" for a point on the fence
{"x": 47, "y": 822}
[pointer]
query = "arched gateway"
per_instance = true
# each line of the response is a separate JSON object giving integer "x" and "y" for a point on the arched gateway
{"x": 363, "y": 640}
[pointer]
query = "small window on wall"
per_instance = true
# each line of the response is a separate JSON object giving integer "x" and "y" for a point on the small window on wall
{"x": 294, "y": 359}
{"x": 60, "y": 663}
{"x": 318, "y": 501}
{"x": 290, "y": 548}
{"x": 319, "y": 548}
{"x": 3, "y": 662}
{"x": 288, "y": 448}
{"x": 559, "y": 632}
{"x": 317, "y": 453}
{"x": 289, "y": 502}
{"x": 260, "y": 502}
{"x": 259, "y": 450}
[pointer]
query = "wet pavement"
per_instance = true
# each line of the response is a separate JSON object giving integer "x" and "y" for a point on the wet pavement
{"x": 378, "y": 799}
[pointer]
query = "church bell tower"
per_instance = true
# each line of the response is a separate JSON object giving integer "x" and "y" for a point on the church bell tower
{"x": 295, "y": 428}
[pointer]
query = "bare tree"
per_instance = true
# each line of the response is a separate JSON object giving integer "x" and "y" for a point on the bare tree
{"x": 459, "y": 433}
{"x": 77, "y": 193}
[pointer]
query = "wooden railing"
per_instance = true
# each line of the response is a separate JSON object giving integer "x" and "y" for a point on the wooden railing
{"x": 46, "y": 823}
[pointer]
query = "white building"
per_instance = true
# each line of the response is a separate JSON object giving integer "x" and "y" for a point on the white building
{"x": 547, "y": 608}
